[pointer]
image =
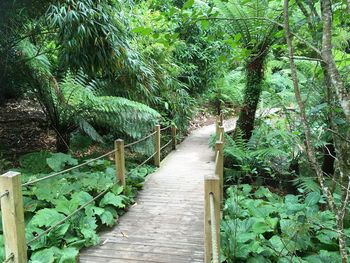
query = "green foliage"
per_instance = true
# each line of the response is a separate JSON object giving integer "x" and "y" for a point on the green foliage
{"x": 250, "y": 24}
{"x": 94, "y": 27}
{"x": 35, "y": 162}
{"x": 259, "y": 157}
{"x": 59, "y": 160}
{"x": 260, "y": 226}
{"x": 54, "y": 254}
{"x": 49, "y": 202}
{"x": 227, "y": 94}
{"x": 129, "y": 117}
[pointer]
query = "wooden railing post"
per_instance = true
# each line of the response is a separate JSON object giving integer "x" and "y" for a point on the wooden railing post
{"x": 13, "y": 217}
{"x": 173, "y": 136}
{"x": 222, "y": 133}
{"x": 157, "y": 146}
{"x": 219, "y": 172}
{"x": 217, "y": 125}
{"x": 211, "y": 186}
{"x": 120, "y": 161}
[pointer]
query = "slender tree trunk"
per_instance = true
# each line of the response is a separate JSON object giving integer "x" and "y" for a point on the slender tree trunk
{"x": 252, "y": 92}
{"x": 327, "y": 56}
{"x": 310, "y": 150}
{"x": 329, "y": 154}
{"x": 62, "y": 142}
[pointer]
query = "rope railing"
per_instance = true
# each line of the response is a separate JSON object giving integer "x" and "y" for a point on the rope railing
{"x": 85, "y": 204}
{"x": 166, "y": 145}
{"x": 144, "y": 162}
{"x": 70, "y": 215}
{"x": 165, "y": 128}
{"x": 68, "y": 170}
{"x": 6, "y": 193}
{"x": 12, "y": 208}
{"x": 213, "y": 195}
{"x": 90, "y": 161}
{"x": 9, "y": 258}
{"x": 140, "y": 140}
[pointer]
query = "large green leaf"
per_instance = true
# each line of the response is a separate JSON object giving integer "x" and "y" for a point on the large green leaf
{"x": 112, "y": 199}
{"x": 43, "y": 256}
{"x": 59, "y": 160}
{"x": 46, "y": 217}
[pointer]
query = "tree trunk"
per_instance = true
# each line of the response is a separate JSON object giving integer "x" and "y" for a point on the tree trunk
{"x": 342, "y": 241}
{"x": 329, "y": 154}
{"x": 62, "y": 142}
{"x": 252, "y": 92}
{"x": 327, "y": 56}
{"x": 309, "y": 147}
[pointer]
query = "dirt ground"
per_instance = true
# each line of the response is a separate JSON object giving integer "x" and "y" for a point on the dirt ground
{"x": 23, "y": 129}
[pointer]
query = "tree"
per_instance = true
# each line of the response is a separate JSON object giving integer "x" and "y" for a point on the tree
{"x": 337, "y": 86}
{"x": 252, "y": 27}
{"x": 80, "y": 38}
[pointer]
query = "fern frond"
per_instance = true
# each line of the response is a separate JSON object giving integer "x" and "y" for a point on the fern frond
{"x": 307, "y": 184}
{"x": 115, "y": 113}
{"x": 250, "y": 19}
{"x": 268, "y": 153}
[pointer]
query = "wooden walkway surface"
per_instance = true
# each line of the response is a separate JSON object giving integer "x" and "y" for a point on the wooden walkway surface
{"x": 166, "y": 224}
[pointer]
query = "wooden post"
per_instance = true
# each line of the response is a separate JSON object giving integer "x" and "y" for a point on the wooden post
{"x": 157, "y": 146}
{"x": 173, "y": 136}
{"x": 221, "y": 119}
{"x": 217, "y": 125}
{"x": 222, "y": 133}
{"x": 13, "y": 217}
{"x": 211, "y": 185}
{"x": 219, "y": 146}
{"x": 120, "y": 161}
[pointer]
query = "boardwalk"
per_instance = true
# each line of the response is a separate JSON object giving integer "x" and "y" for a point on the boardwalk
{"x": 166, "y": 223}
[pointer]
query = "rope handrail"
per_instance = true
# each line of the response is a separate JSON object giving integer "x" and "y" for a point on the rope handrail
{"x": 166, "y": 145}
{"x": 67, "y": 170}
{"x": 165, "y": 128}
{"x": 144, "y": 162}
{"x": 89, "y": 161}
{"x": 140, "y": 140}
{"x": 6, "y": 193}
{"x": 214, "y": 241}
{"x": 120, "y": 180}
{"x": 10, "y": 258}
{"x": 84, "y": 205}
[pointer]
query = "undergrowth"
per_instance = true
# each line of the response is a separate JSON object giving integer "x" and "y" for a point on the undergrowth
{"x": 261, "y": 227}
{"x": 50, "y": 201}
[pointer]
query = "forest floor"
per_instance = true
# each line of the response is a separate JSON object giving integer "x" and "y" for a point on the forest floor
{"x": 23, "y": 129}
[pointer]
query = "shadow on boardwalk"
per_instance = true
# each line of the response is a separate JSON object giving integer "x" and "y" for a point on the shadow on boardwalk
{"x": 166, "y": 223}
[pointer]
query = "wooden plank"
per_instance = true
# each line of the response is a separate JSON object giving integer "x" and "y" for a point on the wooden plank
{"x": 13, "y": 217}
{"x": 166, "y": 224}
